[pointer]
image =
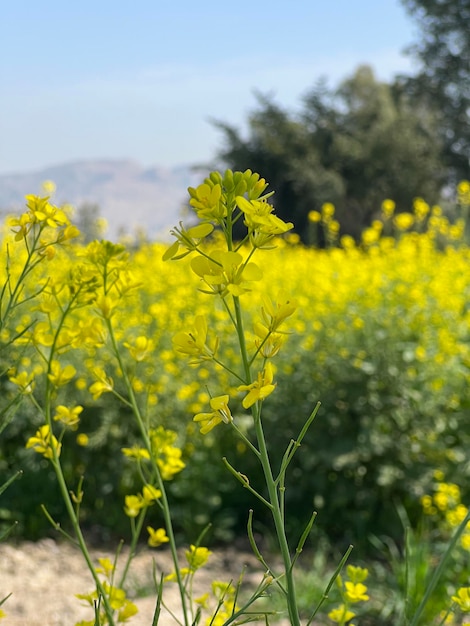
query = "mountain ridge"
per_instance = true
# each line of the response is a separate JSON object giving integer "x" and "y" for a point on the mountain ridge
{"x": 130, "y": 197}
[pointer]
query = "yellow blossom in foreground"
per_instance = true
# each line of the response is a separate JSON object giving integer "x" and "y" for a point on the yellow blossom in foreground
{"x": 44, "y": 442}
{"x": 157, "y": 537}
{"x": 104, "y": 384}
{"x": 60, "y": 376}
{"x": 194, "y": 343}
{"x": 260, "y": 389}
{"x": 462, "y": 599}
{"x": 24, "y": 380}
{"x": 68, "y": 416}
{"x": 220, "y": 413}
{"x": 197, "y": 557}
{"x": 356, "y": 592}
{"x": 133, "y": 505}
{"x": 341, "y": 615}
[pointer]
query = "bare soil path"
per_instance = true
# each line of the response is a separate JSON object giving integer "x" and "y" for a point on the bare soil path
{"x": 44, "y": 577}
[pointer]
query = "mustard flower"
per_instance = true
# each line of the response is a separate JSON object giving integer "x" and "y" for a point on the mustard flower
{"x": 157, "y": 537}
{"x": 341, "y": 614}
{"x": 462, "y": 599}
{"x": 133, "y": 505}
{"x": 388, "y": 208}
{"x": 260, "y": 389}
{"x": 267, "y": 343}
{"x": 225, "y": 272}
{"x": 136, "y": 453}
{"x": 24, "y": 381}
{"x": 150, "y": 494}
{"x": 356, "y": 592}
{"x": 128, "y": 610}
{"x": 104, "y": 384}
{"x": 357, "y": 574}
{"x": 184, "y": 571}
{"x": 194, "y": 343}
{"x": 44, "y": 442}
{"x": 106, "y": 567}
{"x": 141, "y": 347}
{"x": 208, "y": 201}
{"x": 259, "y": 217}
{"x": 44, "y": 212}
{"x": 21, "y": 225}
{"x": 404, "y": 221}
{"x": 314, "y": 216}
{"x": 68, "y": 416}
{"x": 171, "y": 463}
{"x": 83, "y": 440}
{"x": 187, "y": 238}
{"x": 196, "y": 557}
{"x": 275, "y": 313}
{"x": 220, "y": 413}
{"x": 59, "y": 375}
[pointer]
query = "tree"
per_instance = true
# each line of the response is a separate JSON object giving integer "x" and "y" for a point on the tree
{"x": 443, "y": 81}
{"x": 354, "y": 147}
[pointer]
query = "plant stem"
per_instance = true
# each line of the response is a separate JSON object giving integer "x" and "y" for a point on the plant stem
{"x": 269, "y": 478}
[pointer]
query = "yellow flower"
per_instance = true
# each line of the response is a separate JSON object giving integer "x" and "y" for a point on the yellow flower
{"x": 133, "y": 505}
{"x": 150, "y": 494}
{"x": 341, "y": 615}
{"x": 404, "y": 221}
{"x": 208, "y": 201}
{"x": 44, "y": 442}
{"x": 24, "y": 381}
{"x": 136, "y": 453}
{"x": 188, "y": 238}
{"x": 357, "y": 574}
{"x": 314, "y": 216}
{"x": 127, "y": 611}
{"x": 194, "y": 343}
{"x": 141, "y": 347}
{"x": 275, "y": 313}
{"x": 327, "y": 211}
{"x": 388, "y": 208}
{"x": 220, "y": 413}
{"x": 106, "y": 567}
{"x": 260, "y": 389}
{"x": 157, "y": 537}
{"x": 462, "y": 598}
{"x": 68, "y": 416}
{"x": 225, "y": 272}
{"x": 259, "y": 217}
{"x": 59, "y": 375}
{"x": 197, "y": 557}
{"x": 104, "y": 384}
{"x": 82, "y": 440}
{"x": 356, "y": 592}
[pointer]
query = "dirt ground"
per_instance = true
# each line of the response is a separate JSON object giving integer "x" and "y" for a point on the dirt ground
{"x": 44, "y": 577}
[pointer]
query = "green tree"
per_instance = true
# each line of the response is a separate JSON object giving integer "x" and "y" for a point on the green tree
{"x": 353, "y": 146}
{"x": 443, "y": 82}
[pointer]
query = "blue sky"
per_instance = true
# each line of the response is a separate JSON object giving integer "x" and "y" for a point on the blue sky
{"x": 141, "y": 79}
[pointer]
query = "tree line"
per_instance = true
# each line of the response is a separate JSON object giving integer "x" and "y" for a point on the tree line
{"x": 367, "y": 140}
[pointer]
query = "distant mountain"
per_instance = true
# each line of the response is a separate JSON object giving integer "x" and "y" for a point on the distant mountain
{"x": 129, "y": 196}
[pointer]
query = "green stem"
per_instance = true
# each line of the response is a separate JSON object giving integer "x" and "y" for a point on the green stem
{"x": 268, "y": 475}
{"x": 61, "y": 479}
{"x": 163, "y": 499}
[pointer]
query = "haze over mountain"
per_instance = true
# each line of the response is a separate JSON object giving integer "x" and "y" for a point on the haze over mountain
{"x": 130, "y": 197}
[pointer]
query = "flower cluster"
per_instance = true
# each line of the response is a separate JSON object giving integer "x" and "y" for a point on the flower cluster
{"x": 352, "y": 592}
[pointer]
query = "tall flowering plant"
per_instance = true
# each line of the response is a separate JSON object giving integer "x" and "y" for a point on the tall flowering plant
{"x": 228, "y": 271}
